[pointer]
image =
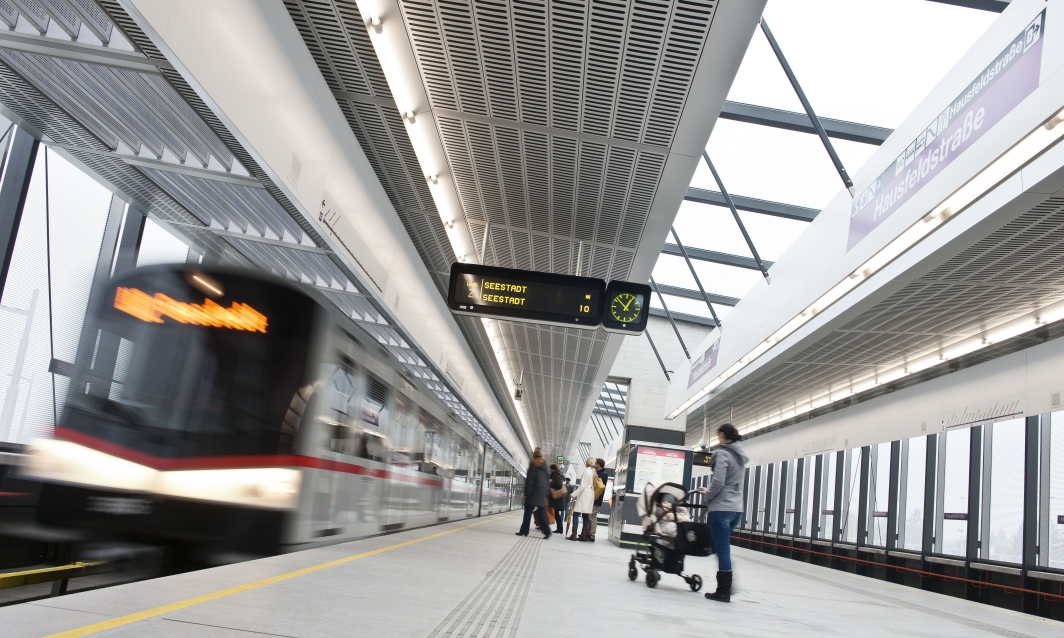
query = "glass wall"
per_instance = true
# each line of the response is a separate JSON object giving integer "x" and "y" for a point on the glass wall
{"x": 951, "y": 531}
{"x": 827, "y": 496}
{"x": 47, "y": 292}
{"x": 912, "y": 470}
{"x": 808, "y": 474}
{"x": 1051, "y": 496}
{"x": 789, "y": 517}
{"x": 851, "y": 495}
{"x": 878, "y": 493}
{"x": 1003, "y": 466}
{"x": 1008, "y": 452}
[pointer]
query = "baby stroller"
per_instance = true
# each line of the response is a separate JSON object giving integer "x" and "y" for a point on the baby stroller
{"x": 670, "y": 534}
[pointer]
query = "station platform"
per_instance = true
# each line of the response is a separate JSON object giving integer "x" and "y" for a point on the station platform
{"x": 475, "y": 578}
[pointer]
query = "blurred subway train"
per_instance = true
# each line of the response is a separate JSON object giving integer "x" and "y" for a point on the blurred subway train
{"x": 248, "y": 416}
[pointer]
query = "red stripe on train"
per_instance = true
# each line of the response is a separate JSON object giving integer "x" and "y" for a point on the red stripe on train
{"x": 234, "y": 461}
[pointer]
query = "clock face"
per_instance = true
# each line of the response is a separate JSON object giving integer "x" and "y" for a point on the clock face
{"x": 626, "y": 307}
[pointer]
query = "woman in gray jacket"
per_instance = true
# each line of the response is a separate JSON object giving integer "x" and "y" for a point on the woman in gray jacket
{"x": 724, "y": 500}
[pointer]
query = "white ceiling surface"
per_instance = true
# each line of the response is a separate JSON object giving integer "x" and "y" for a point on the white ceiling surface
{"x": 849, "y": 71}
{"x": 246, "y": 59}
{"x": 818, "y": 260}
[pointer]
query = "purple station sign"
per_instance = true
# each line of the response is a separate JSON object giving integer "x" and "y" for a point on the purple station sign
{"x": 1003, "y": 84}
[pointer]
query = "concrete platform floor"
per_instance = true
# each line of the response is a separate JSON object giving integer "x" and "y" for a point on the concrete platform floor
{"x": 478, "y": 579}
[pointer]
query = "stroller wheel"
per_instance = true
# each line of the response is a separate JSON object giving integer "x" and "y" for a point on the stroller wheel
{"x": 695, "y": 582}
{"x": 652, "y": 578}
{"x": 633, "y": 573}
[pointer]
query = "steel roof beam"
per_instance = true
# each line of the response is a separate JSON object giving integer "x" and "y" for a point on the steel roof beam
{"x": 683, "y": 317}
{"x": 714, "y": 257}
{"x": 750, "y": 204}
{"x": 687, "y": 293}
{"x": 735, "y": 214}
{"x": 995, "y": 6}
{"x": 668, "y": 314}
{"x": 56, "y": 48}
{"x": 808, "y": 108}
{"x": 800, "y": 122}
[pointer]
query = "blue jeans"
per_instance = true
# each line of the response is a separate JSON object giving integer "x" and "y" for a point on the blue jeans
{"x": 721, "y": 526}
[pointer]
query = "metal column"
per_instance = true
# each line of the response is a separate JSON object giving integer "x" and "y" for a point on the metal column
{"x": 891, "y": 541}
{"x": 14, "y": 186}
{"x": 1029, "y": 553}
{"x": 808, "y": 108}
{"x": 862, "y": 497}
{"x": 799, "y": 496}
{"x": 103, "y": 365}
{"x": 108, "y": 246}
{"x": 975, "y": 484}
{"x": 679, "y": 337}
{"x": 735, "y": 214}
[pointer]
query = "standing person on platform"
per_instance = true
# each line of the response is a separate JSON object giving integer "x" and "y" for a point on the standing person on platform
{"x": 600, "y": 471}
{"x": 559, "y": 497}
{"x": 724, "y": 501}
{"x": 584, "y": 500}
{"x": 536, "y": 482}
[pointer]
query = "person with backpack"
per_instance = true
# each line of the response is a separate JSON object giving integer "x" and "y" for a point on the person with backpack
{"x": 724, "y": 502}
{"x": 600, "y": 493}
{"x": 584, "y": 500}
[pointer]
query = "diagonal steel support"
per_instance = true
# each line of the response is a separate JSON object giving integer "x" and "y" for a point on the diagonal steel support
{"x": 808, "y": 108}
{"x": 735, "y": 214}
{"x": 698, "y": 282}
{"x": 616, "y": 402}
{"x": 655, "y": 349}
{"x": 654, "y": 285}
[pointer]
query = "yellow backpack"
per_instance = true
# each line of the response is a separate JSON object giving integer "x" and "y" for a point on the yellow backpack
{"x": 600, "y": 487}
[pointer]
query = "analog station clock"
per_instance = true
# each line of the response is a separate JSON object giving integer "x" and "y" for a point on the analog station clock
{"x": 627, "y": 307}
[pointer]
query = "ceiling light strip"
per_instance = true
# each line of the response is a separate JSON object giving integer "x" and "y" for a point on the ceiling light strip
{"x": 1012, "y": 160}
{"x": 1002, "y": 332}
{"x": 387, "y": 32}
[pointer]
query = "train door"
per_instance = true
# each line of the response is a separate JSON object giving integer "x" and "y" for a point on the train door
{"x": 478, "y": 479}
{"x": 462, "y": 492}
{"x": 394, "y": 505}
{"x": 444, "y": 504}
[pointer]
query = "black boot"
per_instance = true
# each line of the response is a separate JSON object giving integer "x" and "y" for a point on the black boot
{"x": 723, "y": 593}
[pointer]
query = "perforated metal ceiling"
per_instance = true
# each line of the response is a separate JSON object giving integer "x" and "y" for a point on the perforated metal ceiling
{"x": 1012, "y": 271}
{"x": 556, "y": 119}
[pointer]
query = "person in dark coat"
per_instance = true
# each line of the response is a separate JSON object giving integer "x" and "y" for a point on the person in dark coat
{"x": 559, "y": 505}
{"x": 536, "y": 482}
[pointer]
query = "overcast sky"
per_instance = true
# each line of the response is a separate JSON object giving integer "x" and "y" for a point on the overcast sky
{"x": 866, "y": 61}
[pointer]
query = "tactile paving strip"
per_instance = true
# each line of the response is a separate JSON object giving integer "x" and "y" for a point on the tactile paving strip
{"x": 493, "y": 609}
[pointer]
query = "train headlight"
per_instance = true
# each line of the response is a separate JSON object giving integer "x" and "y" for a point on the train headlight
{"x": 277, "y": 490}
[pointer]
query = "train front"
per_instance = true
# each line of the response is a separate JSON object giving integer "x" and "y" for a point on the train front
{"x": 182, "y": 428}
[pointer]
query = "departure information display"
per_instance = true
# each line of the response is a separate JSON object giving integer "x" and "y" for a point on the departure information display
{"x": 488, "y": 291}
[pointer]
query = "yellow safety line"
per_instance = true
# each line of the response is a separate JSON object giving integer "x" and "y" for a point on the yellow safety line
{"x": 189, "y": 602}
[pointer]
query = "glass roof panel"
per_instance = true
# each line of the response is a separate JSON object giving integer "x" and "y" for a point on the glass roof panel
{"x": 709, "y": 227}
{"x": 863, "y": 61}
{"x": 849, "y": 71}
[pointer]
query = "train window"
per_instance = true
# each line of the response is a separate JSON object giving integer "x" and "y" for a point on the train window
{"x": 429, "y": 441}
{"x": 403, "y": 428}
{"x": 173, "y": 390}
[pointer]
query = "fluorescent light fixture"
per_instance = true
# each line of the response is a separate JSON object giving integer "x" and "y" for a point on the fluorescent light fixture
{"x": 1023, "y": 152}
{"x": 387, "y": 32}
